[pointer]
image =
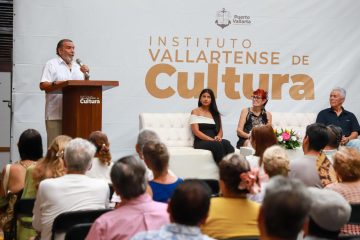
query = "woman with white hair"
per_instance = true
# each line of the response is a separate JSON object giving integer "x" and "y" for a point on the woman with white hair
{"x": 275, "y": 162}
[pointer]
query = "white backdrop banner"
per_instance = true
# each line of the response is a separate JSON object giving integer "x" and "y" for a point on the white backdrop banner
{"x": 164, "y": 53}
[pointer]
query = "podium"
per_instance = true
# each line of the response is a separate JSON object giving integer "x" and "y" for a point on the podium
{"x": 82, "y": 105}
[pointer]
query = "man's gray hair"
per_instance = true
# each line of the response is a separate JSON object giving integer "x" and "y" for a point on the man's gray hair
{"x": 79, "y": 154}
{"x": 285, "y": 207}
{"x": 341, "y": 91}
{"x": 128, "y": 177}
{"x": 146, "y": 135}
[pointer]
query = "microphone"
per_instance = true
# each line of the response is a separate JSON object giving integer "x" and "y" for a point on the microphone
{"x": 86, "y": 74}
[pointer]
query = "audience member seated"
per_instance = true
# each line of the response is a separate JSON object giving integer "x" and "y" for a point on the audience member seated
{"x": 145, "y": 135}
{"x": 335, "y": 136}
{"x": 30, "y": 150}
{"x": 261, "y": 138}
{"x": 338, "y": 116}
{"x": 13, "y": 176}
{"x": 137, "y": 211}
{"x": 71, "y": 192}
{"x": 101, "y": 164}
{"x": 233, "y": 215}
{"x": 51, "y": 166}
{"x": 156, "y": 157}
{"x": 347, "y": 166}
{"x": 276, "y": 162}
{"x": 284, "y": 210}
{"x": 188, "y": 209}
{"x": 329, "y": 212}
{"x": 252, "y": 117}
{"x": 205, "y": 121}
{"x": 314, "y": 169}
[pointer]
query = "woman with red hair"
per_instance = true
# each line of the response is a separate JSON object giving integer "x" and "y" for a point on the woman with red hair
{"x": 253, "y": 116}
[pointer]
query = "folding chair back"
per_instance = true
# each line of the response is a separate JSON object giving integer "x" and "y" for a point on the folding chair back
{"x": 66, "y": 220}
{"x": 24, "y": 207}
{"x": 214, "y": 186}
{"x": 355, "y": 214}
{"x": 78, "y": 231}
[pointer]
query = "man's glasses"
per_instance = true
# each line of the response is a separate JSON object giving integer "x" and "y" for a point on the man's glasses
{"x": 256, "y": 97}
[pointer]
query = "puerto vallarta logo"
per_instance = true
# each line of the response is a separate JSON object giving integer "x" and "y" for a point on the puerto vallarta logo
{"x": 223, "y": 18}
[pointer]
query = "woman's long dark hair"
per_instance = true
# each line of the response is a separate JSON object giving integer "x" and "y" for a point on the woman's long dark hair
{"x": 30, "y": 145}
{"x": 213, "y": 107}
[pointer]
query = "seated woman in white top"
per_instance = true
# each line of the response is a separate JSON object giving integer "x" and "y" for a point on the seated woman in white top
{"x": 206, "y": 126}
{"x": 101, "y": 163}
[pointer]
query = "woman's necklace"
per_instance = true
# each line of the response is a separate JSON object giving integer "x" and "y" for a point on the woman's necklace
{"x": 256, "y": 112}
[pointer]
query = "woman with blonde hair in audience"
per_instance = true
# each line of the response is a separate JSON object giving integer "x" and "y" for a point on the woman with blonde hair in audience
{"x": 52, "y": 166}
{"x": 156, "y": 158}
{"x": 276, "y": 162}
{"x": 101, "y": 163}
{"x": 232, "y": 214}
{"x": 347, "y": 167}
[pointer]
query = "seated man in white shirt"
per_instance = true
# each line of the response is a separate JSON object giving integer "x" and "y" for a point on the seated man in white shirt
{"x": 71, "y": 192}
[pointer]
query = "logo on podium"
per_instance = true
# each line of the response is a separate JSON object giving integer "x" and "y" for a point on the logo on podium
{"x": 89, "y": 100}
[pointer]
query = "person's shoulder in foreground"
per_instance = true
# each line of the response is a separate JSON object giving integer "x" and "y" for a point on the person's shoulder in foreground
{"x": 188, "y": 209}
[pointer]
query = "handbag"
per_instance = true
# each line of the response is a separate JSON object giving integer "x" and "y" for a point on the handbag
{"x": 325, "y": 170}
{"x": 6, "y": 217}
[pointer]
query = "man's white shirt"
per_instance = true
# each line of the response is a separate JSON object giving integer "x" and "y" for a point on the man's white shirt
{"x": 57, "y": 70}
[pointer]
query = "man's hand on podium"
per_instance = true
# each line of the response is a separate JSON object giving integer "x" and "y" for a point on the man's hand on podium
{"x": 46, "y": 85}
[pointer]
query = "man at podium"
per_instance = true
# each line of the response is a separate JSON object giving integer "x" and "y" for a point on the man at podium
{"x": 63, "y": 67}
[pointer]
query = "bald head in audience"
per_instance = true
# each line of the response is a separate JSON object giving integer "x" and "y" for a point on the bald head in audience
{"x": 128, "y": 177}
{"x": 137, "y": 211}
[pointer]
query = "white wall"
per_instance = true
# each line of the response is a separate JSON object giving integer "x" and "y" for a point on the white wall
{"x": 112, "y": 37}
